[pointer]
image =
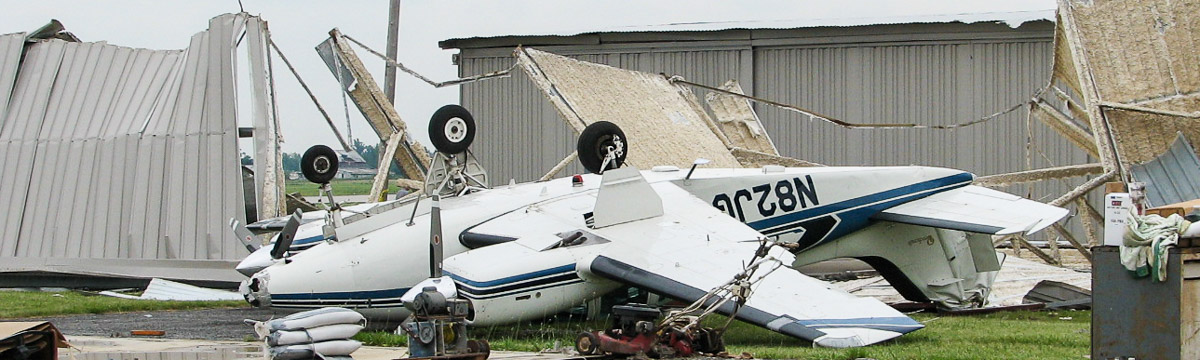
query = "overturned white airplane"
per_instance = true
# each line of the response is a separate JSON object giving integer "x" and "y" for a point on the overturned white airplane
{"x": 530, "y": 250}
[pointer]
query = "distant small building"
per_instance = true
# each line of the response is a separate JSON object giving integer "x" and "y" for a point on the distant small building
{"x": 351, "y": 166}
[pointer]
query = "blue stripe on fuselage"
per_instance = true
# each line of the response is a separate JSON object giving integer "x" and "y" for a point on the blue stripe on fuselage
{"x": 855, "y": 213}
{"x": 512, "y": 279}
{"x": 308, "y": 240}
{"x": 344, "y": 295}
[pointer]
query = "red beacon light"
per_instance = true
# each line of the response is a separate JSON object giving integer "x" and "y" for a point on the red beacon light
{"x": 577, "y": 180}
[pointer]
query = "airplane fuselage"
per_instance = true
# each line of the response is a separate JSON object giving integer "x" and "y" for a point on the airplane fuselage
{"x": 527, "y": 273}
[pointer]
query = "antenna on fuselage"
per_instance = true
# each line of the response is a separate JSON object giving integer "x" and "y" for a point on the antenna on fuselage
{"x": 698, "y": 162}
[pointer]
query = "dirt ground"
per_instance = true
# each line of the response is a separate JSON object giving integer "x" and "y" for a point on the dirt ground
{"x": 1071, "y": 258}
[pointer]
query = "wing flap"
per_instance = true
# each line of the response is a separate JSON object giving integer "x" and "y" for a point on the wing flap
{"x": 975, "y": 209}
{"x": 694, "y": 248}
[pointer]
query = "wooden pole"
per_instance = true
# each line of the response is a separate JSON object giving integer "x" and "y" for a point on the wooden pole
{"x": 389, "y": 72}
{"x": 1083, "y": 189}
{"x": 1062, "y": 231}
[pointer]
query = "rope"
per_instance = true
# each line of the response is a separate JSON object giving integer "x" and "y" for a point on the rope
{"x": 328, "y": 119}
{"x": 815, "y": 115}
{"x": 398, "y": 65}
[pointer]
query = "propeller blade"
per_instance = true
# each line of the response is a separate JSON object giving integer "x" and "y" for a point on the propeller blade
{"x": 286, "y": 236}
{"x": 244, "y": 235}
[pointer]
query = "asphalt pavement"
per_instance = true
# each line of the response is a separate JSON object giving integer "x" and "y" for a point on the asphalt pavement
{"x": 212, "y": 324}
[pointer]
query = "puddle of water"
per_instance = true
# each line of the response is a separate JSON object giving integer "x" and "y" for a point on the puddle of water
{"x": 210, "y": 353}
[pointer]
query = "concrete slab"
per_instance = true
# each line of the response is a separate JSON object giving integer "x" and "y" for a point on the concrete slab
{"x": 107, "y": 348}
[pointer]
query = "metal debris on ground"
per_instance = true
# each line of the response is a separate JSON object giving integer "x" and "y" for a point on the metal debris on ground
{"x": 160, "y": 289}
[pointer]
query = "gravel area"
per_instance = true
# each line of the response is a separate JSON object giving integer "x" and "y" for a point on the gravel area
{"x": 213, "y": 324}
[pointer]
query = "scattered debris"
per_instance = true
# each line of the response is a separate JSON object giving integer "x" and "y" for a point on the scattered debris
{"x": 38, "y": 340}
{"x": 992, "y": 309}
{"x": 1059, "y": 295}
{"x": 1016, "y": 278}
{"x": 160, "y": 289}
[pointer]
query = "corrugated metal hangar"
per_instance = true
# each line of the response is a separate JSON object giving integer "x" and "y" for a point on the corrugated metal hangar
{"x": 932, "y": 73}
{"x": 122, "y": 163}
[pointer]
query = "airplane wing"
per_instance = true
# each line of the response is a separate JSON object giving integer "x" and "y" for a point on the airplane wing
{"x": 975, "y": 209}
{"x": 693, "y": 248}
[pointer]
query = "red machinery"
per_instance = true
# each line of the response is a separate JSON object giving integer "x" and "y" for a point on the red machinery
{"x": 634, "y": 332}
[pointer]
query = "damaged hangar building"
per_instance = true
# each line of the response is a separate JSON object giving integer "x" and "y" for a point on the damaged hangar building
{"x": 934, "y": 70}
{"x": 122, "y": 164}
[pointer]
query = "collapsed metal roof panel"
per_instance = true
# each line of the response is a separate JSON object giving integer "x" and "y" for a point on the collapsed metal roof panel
{"x": 1132, "y": 64}
{"x": 664, "y": 123}
{"x": 115, "y": 154}
{"x": 10, "y": 57}
{"x": 1172, "y": 177}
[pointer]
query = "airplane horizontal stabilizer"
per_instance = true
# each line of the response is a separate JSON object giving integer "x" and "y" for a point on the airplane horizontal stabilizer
{"x": 975, "y": 209}
{"x": 695, "y": 248}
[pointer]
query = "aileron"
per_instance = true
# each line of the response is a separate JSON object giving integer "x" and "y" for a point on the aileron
{"x": 975, "y": 209}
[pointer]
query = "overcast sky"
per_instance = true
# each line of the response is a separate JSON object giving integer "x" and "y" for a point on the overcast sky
{"x": 299, "y": 25}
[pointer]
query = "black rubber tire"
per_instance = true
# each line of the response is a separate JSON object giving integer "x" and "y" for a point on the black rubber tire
{"x": 451, "y": 129}
{"x": 587, "y": 344}
{"x": 592, "y": 142}
{"x": 479, "y": 346}
{"x": 319, "y": 164}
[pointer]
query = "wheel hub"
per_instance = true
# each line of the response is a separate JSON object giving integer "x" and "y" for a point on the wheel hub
{"x": 456, "y": 130}
{"x": 321, "y": 165}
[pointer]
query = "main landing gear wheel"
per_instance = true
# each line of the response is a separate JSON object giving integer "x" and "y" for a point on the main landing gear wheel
{"x": 597, "y": 141}
{"x": 587, "y": 344}
{"x": 319, "y": 164}
{"x": 451, "y": 129}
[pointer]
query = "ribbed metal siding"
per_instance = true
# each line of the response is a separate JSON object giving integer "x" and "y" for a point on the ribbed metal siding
{"x": 928, "y": 82}
{"x": 120, "y": 153}
{"x": 932, "y": 84}
{"x": 10, "y": 56}
{"x": 937, "y": 84}
{"x": 520, "y": 135}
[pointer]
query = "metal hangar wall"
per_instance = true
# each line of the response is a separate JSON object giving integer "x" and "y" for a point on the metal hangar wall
{"x": 927, "y": 73}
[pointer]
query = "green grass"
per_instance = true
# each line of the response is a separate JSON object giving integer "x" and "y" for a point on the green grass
{"x": 29, "y": 304}
{"x": 381, "y": 338}
{"x": 340, "y": 187}
{"x": 1011, "y": 335}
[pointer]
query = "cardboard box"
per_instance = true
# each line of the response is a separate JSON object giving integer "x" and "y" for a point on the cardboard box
{"x": 38, "y": 340}
{"x": 1114, "y": 187}
{"x": 1182, "y": 208}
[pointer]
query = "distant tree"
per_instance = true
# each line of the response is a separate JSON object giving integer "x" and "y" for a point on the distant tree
{"x": 369, "y": 153}
{"x": 291, "y": 162}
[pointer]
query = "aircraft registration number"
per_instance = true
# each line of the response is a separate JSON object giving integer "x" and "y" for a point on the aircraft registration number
{"x": 768, "y": 199}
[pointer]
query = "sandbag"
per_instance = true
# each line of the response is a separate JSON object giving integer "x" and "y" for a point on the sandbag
{"x": 311, "y": 335}
{"x": 305, "y": 351}
{"x": 316, "y": 318}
